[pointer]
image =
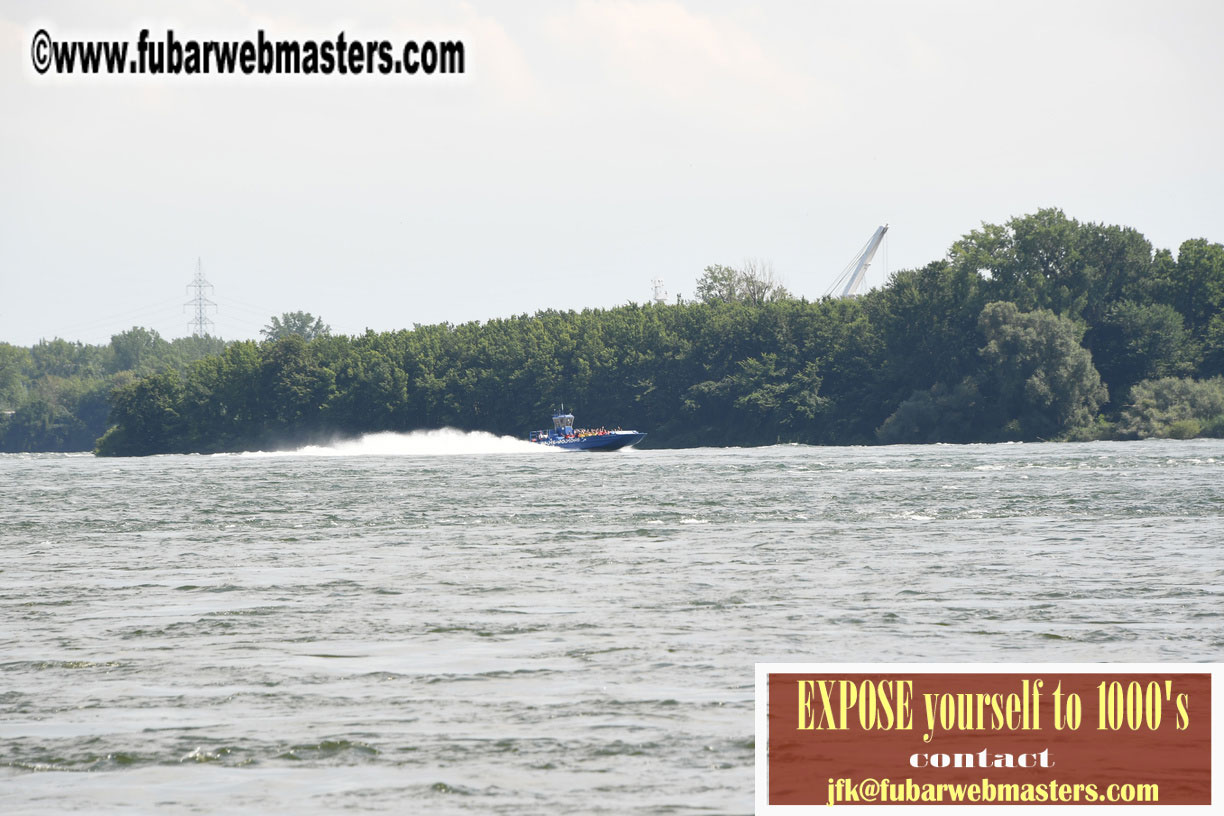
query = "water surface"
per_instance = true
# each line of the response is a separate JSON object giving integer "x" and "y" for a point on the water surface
{"x": 453, "y": 623}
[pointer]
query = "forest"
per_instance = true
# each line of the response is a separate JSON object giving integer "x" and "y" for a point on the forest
{"x": 1042, "y": 328}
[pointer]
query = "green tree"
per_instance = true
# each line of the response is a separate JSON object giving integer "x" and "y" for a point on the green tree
{"x": 1197, "y": 287}
{"x": 754, "y": 284}
{"x": 61, "y": 358}
{"x": 1049, "y": 261}
{"x": 772, "y": 403}
{"x": 758, "y": 284}
{"x": 1137, "y": 341}
{"x": 14, "y": 364}
{"x": 147, "y": 417}
{"x": 294, "y": 388}
{"x": 40, "y": 424}
{"x": 1213, "y": 347}
{"x": 938, "y": 414}
{"x": 927, "y": 321}
{"x": 301, "y": 324}
{"x": 1041, "y": 378}
{"x": 1173, "y": 406}
{"x": 1033, "y": 261}
{"x": 719, "y": 284}
{"x": 182, "y": 351}
{"x": 137, "y": 349}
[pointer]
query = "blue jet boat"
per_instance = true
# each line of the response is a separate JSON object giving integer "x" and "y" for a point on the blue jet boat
{"x": 563, "y": 435}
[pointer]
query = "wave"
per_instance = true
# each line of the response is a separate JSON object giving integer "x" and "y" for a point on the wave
{"x": 440, "y": 442}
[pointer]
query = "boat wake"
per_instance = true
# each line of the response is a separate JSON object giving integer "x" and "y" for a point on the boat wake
{"x": 441, "y": 442}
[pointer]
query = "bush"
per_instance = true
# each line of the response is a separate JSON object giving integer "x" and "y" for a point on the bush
{"x": 1213, "y": 427}
{"x": 1180, "y": 408}
{"x": 1100, "y": 428}
{"x": 1184, "y": 429}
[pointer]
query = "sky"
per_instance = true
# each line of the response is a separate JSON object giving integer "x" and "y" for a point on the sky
{"x": 589, "y": 148}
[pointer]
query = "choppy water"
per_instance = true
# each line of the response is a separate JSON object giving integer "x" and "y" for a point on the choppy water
{"x": 379, "y": 627}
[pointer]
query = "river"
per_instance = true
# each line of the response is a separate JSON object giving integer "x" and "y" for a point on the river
{"x": 455, "y": 623}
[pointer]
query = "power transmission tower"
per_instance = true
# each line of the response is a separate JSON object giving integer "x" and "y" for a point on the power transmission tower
{"x": 200, "y": 325}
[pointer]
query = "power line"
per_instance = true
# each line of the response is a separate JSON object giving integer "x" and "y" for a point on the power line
{"x": 106, "y": 323}
{"x": 231, "y": 304}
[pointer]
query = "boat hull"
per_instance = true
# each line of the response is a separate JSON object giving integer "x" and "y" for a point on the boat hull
{"x": 615, "y": 440}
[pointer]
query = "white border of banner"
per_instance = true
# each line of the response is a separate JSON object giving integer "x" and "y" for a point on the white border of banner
{"x": 763, "y": 670}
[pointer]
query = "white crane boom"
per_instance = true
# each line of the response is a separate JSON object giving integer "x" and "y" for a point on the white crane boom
{"x": 864, "y": 261}
{"x": 854, "y": 273}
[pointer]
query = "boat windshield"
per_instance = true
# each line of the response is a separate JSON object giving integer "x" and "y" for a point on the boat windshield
{"x": 562, "y": 421}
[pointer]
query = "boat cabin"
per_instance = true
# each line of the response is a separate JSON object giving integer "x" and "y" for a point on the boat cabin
{"x": 563, "y": 428}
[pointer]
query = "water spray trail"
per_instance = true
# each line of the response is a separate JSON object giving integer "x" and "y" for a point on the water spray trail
{"x": 440, "y": 442}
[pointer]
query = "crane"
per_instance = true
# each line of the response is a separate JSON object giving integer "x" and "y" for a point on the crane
{"x": 856, "y": 270}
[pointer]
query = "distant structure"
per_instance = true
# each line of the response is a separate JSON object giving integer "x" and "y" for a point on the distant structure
{"x": 200, "y": 325}
{"x": 852, "y": 276}
{"x": 660, "y": 294}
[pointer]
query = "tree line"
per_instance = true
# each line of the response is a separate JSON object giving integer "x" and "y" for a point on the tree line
{"x": 1040, "y": 328}
{"x": 55, "y": 395}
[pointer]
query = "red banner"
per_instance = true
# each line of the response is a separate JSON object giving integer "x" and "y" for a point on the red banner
{"x": 964, "y": 738}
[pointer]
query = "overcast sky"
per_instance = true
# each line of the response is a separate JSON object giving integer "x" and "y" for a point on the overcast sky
{"x": 590, "y": 147}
